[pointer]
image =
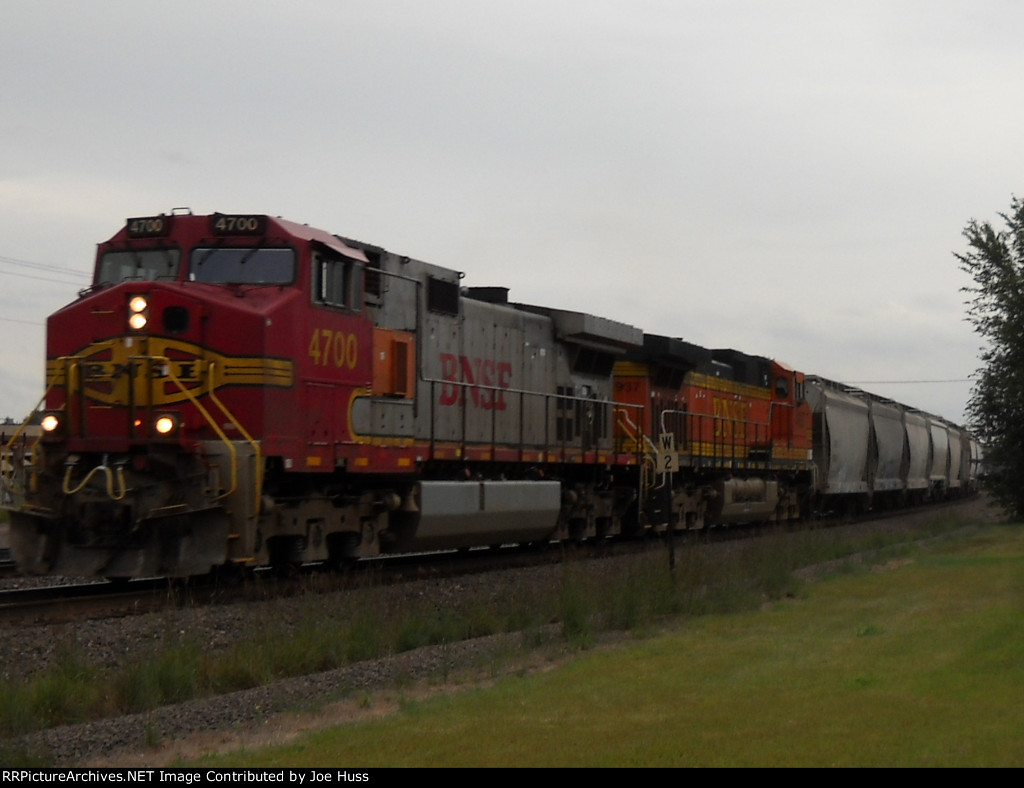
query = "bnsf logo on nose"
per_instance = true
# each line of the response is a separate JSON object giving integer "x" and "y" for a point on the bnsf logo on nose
{"x": 475, "y": 372}
{"x": 183, "y": 370}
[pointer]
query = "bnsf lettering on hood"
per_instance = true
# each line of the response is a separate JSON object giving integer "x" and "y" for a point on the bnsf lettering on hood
{"x": 475, "y": 372}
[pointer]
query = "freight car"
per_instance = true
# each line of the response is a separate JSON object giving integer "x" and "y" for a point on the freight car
{"x": 872, "y": 452}
{"x": 245, "y": 390}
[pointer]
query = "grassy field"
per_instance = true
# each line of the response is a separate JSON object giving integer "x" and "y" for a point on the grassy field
{"x": 916, "y": 661}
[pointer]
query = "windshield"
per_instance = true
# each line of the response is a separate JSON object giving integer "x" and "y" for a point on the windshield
{"x": 251, "y": 265}
{"x": 148, "y": 264}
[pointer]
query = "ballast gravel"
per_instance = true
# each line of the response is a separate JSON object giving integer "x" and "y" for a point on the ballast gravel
{"x": 145, "y": 738}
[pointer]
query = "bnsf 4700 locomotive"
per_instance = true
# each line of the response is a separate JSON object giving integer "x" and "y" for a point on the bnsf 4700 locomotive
{"x": 244, "y": 390}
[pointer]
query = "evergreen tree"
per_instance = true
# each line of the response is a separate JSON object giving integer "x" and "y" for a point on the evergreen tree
{"x": 995, "y": 261}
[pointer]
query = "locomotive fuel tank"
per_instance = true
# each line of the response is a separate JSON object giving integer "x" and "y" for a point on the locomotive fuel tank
{"x": 461, "y": 514}
{"x": 743, "y": 501}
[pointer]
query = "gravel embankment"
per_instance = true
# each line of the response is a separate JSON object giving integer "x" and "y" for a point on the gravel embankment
{"x": 260, "y": 715}
{"x": 152, "y": 736}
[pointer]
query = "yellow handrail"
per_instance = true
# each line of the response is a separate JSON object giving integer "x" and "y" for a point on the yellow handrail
{"x": 649, "y": 450}
{"x": 7, "y": 475}
{"x": 255, "y": 445}
{"x": 211, "y": 371}
{"x": 168, "y": 370}
{"x": 66, "y": 487}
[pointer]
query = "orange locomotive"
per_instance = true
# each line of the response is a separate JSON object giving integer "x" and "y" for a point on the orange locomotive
{"x": 738, "y": 427}
{"x": 244, "y": 390}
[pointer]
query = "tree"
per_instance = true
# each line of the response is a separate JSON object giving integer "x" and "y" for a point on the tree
{"x": 995, "y": 261}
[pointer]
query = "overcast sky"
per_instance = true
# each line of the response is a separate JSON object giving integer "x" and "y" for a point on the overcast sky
{"x": 790, "y": 178}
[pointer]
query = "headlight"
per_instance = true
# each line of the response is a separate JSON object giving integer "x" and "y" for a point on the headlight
{"x": 138, "y": 312}
{"x": 53, "y": 426}
{"x": 165, "y": 425}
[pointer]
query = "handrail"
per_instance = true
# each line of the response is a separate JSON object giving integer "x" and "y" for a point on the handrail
{"x": 258, "y": 481}
{"x": 646, "y": 448}
{"x": 736, "y": 446}
{"x": 66, "y": 486}
{"x": 631, "y": 428}
{"x": 206, "y": 415}
{"x": 7, "y": 475}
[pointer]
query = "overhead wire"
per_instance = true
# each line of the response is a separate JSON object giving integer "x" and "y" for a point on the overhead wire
{"x": 44, "y": 267}
{"x": 897, "y": 382}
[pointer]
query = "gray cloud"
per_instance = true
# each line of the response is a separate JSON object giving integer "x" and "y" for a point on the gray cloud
{"x": 787, "y": 178}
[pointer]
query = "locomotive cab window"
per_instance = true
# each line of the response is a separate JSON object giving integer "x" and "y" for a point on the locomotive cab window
{"x": 337, "y": 281}
{"x": 782, "y": 387}
{"x": 252, "y": 265}
{"x": 133, "y": 265}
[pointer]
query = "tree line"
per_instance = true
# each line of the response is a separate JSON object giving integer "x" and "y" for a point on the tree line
{"x": 995, "y": 262}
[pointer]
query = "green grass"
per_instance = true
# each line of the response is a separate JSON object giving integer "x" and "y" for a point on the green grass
{"x": 919, "y": 664}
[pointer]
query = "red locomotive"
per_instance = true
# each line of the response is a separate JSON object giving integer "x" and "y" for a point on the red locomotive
{"x": 244, "y": 390}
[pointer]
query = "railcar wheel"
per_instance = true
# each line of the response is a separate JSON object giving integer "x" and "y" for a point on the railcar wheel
{"x": 229, "y": 574}
{"x": 286, "y": 554}
{"x": 577, "y": 531}
{"x": 342, "y": 550}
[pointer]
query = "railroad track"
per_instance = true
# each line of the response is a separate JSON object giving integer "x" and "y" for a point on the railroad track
{"x": 105, "y": 599}
{"x": 66, "y": 603}
{"x": 69, "y": 602}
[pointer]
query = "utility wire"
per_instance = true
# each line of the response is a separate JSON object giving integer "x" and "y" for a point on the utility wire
{"x": 41, "y": 278}
{"x": 897, "y": 382}
{"x": 44, "y": 267}
{"x": 60, "y": 269}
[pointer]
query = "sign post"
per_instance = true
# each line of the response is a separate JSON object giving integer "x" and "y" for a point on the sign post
{"x": 668, "y": 464}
